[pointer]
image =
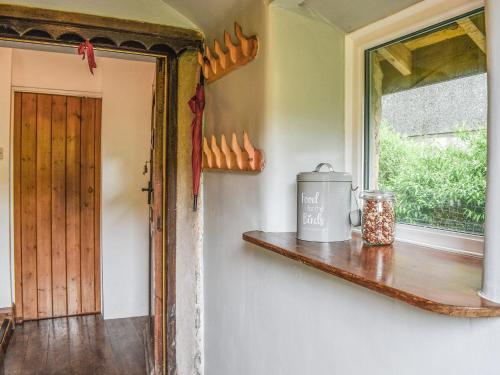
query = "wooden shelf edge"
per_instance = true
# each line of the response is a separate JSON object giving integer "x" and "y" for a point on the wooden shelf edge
{"x": 485, "y": 309}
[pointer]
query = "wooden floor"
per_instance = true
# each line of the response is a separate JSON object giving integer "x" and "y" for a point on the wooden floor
{"x": 77, "y": 345}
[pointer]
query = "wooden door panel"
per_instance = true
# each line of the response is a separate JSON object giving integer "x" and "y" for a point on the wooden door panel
{"x": 43, "y": 205}
{"x": 56, "y": 205}
{"x": 28, "y": 205}
{"x": 59, "y": 205}
{"x": 87, "y": 204}
{"x": 73, "y": 113}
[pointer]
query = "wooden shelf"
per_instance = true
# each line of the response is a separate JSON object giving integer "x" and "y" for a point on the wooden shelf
{"x": 434, "y": 280}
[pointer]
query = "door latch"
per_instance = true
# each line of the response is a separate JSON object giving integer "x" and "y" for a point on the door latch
{"x": 149, "y": 189}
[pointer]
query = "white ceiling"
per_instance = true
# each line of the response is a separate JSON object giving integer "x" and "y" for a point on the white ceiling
{"x": 348, "y": 15}
{"x": 207, "y": 14}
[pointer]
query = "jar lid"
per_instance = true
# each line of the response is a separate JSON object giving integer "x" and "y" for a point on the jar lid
{"x": 378, "y": 195}
{"x": 329, "y": 176}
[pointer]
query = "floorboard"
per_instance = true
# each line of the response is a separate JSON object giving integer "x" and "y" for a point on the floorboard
{"x": 78, "y": 345}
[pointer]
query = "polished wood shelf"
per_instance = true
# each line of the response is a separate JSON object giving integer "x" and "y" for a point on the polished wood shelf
{"x": 433, "y": 280}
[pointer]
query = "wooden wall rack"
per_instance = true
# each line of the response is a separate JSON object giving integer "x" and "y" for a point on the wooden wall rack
{"x": 232, "y": 158}
{"x": 216, "y": 66}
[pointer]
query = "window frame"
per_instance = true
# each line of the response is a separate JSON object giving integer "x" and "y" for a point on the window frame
{"x": 415, "y": 20}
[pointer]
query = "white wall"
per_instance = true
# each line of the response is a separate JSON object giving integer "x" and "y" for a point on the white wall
{"x": 126, "y": 89}
{"x": 5, "y": 103}
{"x": 268, "y": 315}
{"x": 126, "y": 121}
{"x": 304, "y": 122}
{"x": 232, "y": 206}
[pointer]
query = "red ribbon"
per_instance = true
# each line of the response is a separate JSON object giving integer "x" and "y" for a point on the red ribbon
{"x": 86, "y": 46}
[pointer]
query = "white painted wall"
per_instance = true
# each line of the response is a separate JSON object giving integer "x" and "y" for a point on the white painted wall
{"x": 232, "y": 206}
{"x": 54, "y": 71}
{"x": 268, "y": 315}
{"x": 304, "y": 125}
{"x": 126, "y": 121}
{"x": 126, "y": 89}
{"x": 5, "y": 104}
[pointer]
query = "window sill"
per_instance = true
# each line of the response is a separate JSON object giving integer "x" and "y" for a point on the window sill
{"x": 431, "y": 279}
{"x": 438, "y": 239}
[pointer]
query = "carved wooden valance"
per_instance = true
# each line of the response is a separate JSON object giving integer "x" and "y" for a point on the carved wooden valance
{"x": 65, "y": 28}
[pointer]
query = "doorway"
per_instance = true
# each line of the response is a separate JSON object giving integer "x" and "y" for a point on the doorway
{"x": 56, "y": 205}
{"x": 166, "y": 44}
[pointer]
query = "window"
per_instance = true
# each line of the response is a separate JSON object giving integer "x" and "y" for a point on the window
{"x": 425, "y": 124}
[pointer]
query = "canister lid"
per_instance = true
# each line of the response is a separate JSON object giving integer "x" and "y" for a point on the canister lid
{"x": 329, "y": 175}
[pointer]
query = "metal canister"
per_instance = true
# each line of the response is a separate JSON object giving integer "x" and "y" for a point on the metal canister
{"x": 323, "y": 205}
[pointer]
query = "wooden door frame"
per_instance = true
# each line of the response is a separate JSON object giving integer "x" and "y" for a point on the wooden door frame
{"x": 166, "y": 44}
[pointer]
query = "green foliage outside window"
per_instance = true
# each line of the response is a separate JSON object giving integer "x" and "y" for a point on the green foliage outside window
{"x": 435, "y": 185}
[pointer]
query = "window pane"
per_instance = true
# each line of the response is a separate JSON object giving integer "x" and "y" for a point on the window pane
{"x": 427, "y": 125}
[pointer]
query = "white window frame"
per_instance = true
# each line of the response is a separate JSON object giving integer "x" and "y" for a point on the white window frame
{"x": 413, "y": 19}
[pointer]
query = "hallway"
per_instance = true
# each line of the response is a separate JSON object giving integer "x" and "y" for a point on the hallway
{"x": 78, "y": 345}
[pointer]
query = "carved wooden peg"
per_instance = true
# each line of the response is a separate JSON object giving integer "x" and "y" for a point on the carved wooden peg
{"x": 224, "y": 62}
{"x": 220, "y": 54}
{"x": 233, "y": 52}
{"x": 244, "y": 42}
{"x": 228, "y": 154}
{"x": 241, "y": 160}
{"x": 207, "y": 152}
{"x": 217, "y": 154}
{"x": 204, "y": 67}
{"x": 249, "y": 149}
{"x": 212, "y": 60}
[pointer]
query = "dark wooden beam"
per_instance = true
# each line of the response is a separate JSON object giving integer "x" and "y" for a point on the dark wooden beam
{"x": 170, "y": 225}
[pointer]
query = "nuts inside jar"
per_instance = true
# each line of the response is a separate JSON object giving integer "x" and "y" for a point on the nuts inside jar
{"x": 378, "y": 222}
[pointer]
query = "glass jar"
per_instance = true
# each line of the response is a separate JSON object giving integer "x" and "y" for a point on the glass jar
{"x": 378, "y": 220}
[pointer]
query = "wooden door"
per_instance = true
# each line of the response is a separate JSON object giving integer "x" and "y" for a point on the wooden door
{"x": 57, "y": 144}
